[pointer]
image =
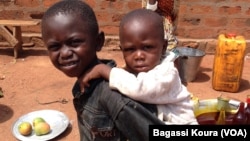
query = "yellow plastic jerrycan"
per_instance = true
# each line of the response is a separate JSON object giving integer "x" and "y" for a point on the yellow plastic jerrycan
{"x": 228, "y": 62}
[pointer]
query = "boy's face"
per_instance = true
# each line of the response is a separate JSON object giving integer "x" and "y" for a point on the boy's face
{"x": 71, "y": 47}
{"x": 142, "y": 45}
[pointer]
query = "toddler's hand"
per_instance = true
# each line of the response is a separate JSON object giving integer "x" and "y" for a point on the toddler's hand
{"x": 98, "y": 71}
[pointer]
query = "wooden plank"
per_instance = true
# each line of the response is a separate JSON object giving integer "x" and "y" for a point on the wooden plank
{"x": 8, "y": 36}
{"x": 19, "y": 22}
{"x": 14, "y": 37}
{"x": 6, "y": 44}
{"x": 38, "y": 35}
{"x": 17, "y": 33}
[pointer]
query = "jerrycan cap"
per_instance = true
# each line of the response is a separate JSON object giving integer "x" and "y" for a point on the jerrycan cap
{"x": 230, "y": 35}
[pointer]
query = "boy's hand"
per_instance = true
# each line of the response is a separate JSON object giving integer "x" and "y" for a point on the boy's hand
{"x": 98, "y": 71}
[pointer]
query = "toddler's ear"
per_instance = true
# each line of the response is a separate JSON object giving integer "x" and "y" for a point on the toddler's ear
{"x": 100, "y": 41}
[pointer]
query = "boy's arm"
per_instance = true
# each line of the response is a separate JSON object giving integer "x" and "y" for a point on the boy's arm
{"x": 158, "y": 86}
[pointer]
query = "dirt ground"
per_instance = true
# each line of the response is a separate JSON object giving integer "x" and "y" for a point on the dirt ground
{"x": 31, "y": 83}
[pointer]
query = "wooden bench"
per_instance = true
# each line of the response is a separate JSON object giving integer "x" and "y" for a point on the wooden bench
{"x": 14, "y": 36}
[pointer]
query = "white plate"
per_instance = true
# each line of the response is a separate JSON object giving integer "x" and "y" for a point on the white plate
{"x": 58, "y": 122}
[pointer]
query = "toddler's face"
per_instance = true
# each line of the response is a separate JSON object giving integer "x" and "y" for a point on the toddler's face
{"x": 142, "y": 45}
{"x": 70, "y": 46}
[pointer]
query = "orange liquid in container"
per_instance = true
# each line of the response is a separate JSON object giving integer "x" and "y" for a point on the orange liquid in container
{"x": 228, "y": 63}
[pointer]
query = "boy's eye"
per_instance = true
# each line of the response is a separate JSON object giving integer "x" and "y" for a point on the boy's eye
{"x": 75, "y": 42}
{"x": 147, "y": 47}
{"x": 53, "y": 47}
{"x": 131, "y": 49}
{"x": 128, "y": 49}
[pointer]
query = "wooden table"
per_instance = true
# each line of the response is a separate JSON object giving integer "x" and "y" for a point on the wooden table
{"x": 14, "y": 36}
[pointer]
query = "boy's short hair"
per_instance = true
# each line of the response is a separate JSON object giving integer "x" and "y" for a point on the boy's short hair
{"x": 75, "y": 8}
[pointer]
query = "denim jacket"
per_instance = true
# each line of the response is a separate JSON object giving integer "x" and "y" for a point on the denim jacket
{"x": 106, "y": 115}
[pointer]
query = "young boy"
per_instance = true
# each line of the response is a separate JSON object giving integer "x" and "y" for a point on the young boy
{"x": 149, "y": 75}
{"x": 72, "y": 37}
{"x": 165, "y": 8}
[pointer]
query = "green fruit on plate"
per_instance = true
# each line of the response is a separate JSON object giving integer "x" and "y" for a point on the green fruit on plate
{"x": 37, "y": 120}
{"x": 25, "y": 128}
{"x": 42, "y": 128}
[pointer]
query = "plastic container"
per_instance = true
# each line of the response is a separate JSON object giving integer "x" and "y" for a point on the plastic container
{"x": 228, "y": 63}
{"x": 188, "y": 62}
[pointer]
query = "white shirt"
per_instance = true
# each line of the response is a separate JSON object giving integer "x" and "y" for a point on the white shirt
{"x": 161, "y": 86}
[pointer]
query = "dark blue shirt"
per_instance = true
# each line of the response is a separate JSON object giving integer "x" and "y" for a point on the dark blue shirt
{"x": 104, "y": 114}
